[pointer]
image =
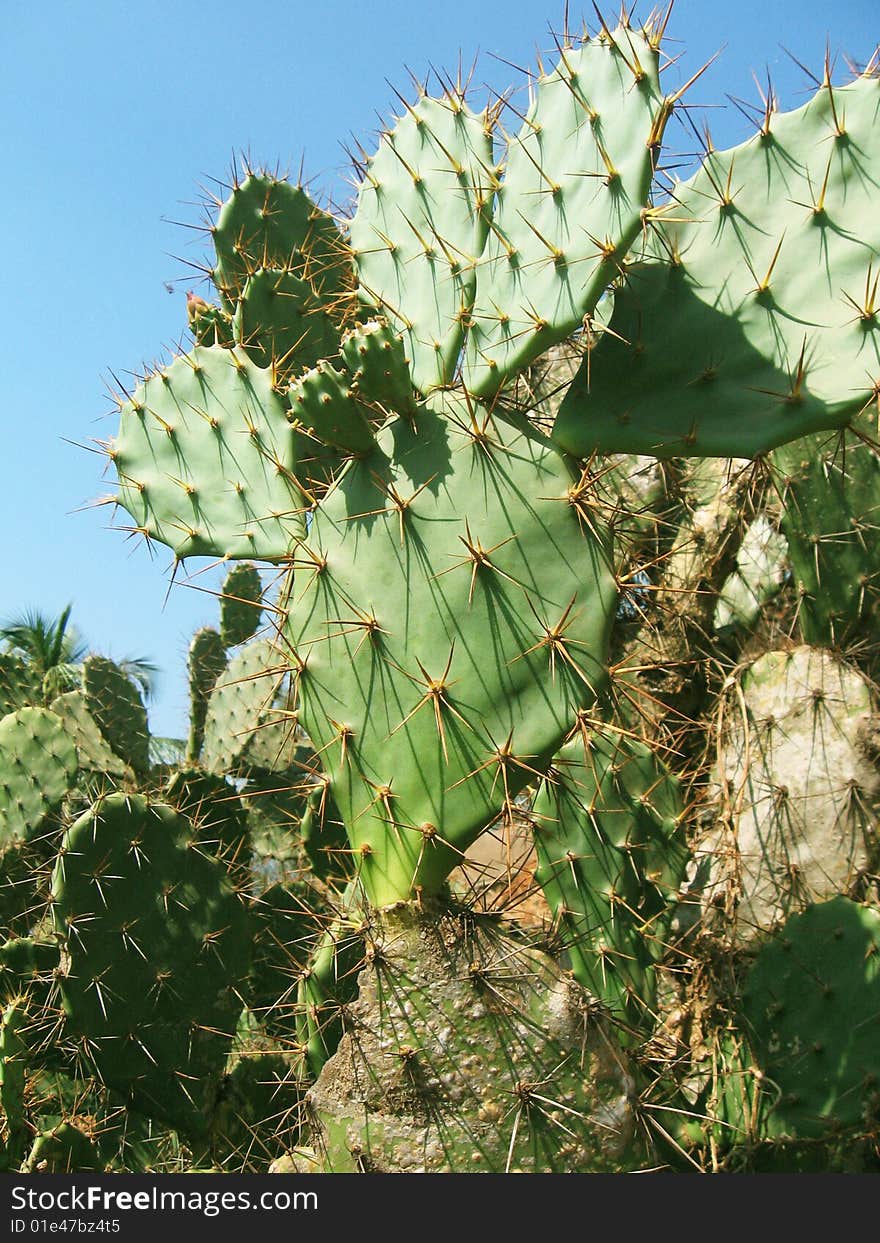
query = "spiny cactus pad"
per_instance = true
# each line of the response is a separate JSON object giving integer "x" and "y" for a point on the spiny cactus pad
{"x": 831, "y": 519}
{"x": 281, "y": 322}
{"x": 114, "y": 702}
{"x": 156, "y": 952}
{"x": 242, "y": 706}
{"x": 576, "y": 180}
{"x": 420, "y": 226}
{"x": 240, "y": 604}
{"x": 270, "y": 223}
{"x": 453, "y": 614}
{"x": 206, "y": 662}
{"x": 38, "y": 764}
{"x": 93, "y": 752}
{"x": 380, "y": 374}
{"x": 752, "y": 318}
{"x": 611, "y": 859}
{"x": 811, "y": 1002}
{"x": 207, "y": 459}
{"x": 795, "y": 786}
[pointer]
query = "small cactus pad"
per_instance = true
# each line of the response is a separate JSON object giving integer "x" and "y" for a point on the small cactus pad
{"x": 752, "y": 318}
{"x": 270, "y": 223}
{"x": 240, "y": 604}
{"x": 453, "y": 615}
{"x": 420, "y": 226}
{"x": 206, "y": 459}
{"x": 156, "y": 951}
{"x": 241, "y": 704}
{"x": 576, "y": 180}
{"x": 610, "y": 861}
{"x": 831, "y": 519}
{"x": 206, "y": 662}
{"x": 19, "y": 684}
{"x": 374, "y": 355}
{"x": 113, "y": 701}
{"x": 38, "y": 764}
{"x": 324, "y": 402}
{"x": 811, "y": 1002}
{"x": 282, "y": 324}
{"x": 796, "y": 784}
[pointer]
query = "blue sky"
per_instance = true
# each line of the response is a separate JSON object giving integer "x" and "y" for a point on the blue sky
{"x": 115, "y": 114}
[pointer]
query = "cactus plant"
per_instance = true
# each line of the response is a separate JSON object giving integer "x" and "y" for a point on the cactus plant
{"x": 475, "y": 615}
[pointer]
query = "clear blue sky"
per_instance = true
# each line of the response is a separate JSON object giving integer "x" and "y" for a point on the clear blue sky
{"x": 115, "y": 114}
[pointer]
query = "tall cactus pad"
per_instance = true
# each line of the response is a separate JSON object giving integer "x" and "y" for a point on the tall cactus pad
{"x": 206, "y": 459}
{"x": 812, "y": 1005}
{"x": 206, "y": 663}
{"x": 13, "y": 1061}
{"x": 795, "y": 785}
{"x": 240, "y": 605}
{"x": 156, "y": 952}
{"x": 831, "y": 519}
{"x": 576, "y": 182}
{"x": 753, "y": 317}
{"x": 113, "y": 701}
{"x": 38, "y": 764}
{"x": 268, "y": 223}
{"x": 420, "y": 226}
{"x": 453, "y": 614}
{"x": 19, "y": 684}
{"x": 611, "y": 859}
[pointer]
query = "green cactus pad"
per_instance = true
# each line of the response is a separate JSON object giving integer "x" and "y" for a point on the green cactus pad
{"x": 38, "y": 764}
{"x": 63, "y": 1150}
{"x": 577, "y": 178}
{"x": 19, "y": 685}
{"x": 830, "y": 487}
{"x": 13, "y": 1062}
{"x": 328, "y": 981}
{"x": 259, "y": 1108}
{"x": 240, "y": 604}
{"x": 206, "y": 459}
{"x": 795, "y": 784}
{"x": 282, "y": 323}
{"x": 420, "y": 227}
{"x": 93, "y": 752}
{"x": 452, "y": 616}
{"x": 206, "y": 662}
{"x": 241, "y": 705}
{"x": 375, "y": 358}
{"x": 209, "y": 325}
{"x": 611, "y": 859}
{"x": 323, "y": 401}
{"x": 285, "y": 923}
{"x": 750, "y": 320}
{"x": 218, "y": 820}
{"x": 811, "y": 1002}
{"x": 269, "y": 223}
{"x": 156, "y": 951}
{"x": 114, "y": 703}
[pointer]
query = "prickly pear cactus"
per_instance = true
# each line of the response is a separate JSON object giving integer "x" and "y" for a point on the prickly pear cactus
{"x": 487, "y": 616}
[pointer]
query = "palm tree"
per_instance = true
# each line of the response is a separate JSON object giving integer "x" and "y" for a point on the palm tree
{"x": 50, "y": 646}
{"x": 54, "y": 651}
